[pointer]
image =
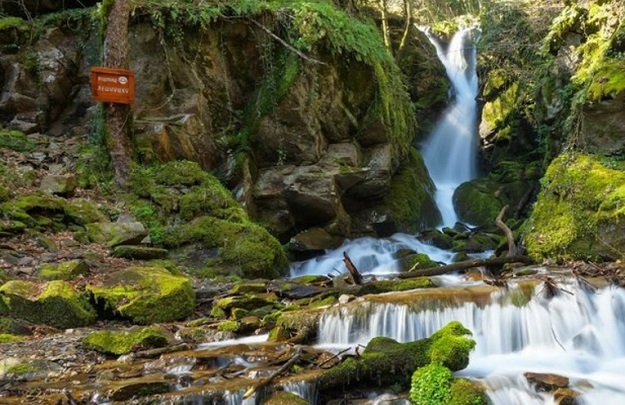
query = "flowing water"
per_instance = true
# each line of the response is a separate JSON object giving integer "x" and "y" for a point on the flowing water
{"x": 577, "y": 334}
{"x": 450, "y": 152}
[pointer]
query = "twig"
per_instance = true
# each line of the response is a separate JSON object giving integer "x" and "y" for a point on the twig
{"x": 285, "y": 44}
{"x": 280, "y": 371}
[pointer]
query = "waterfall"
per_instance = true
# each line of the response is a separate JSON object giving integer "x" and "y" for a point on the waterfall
{"x": 451, "y": 149}
{"x": 576, "y": 334}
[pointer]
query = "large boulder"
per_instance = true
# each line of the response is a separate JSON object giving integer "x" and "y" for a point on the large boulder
{"x": 145, "y": 295}
{"x": 579, "y": 213}
{"x": 55, "y": 303}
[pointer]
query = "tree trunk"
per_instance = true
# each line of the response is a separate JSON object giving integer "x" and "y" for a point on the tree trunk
{"x": 385, "y": 29}
{"x": 117, "y": 115}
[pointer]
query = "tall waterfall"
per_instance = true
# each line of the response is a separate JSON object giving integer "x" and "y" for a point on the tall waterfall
{"x": 451, "y": 149}
{"x": 578, "y": 334}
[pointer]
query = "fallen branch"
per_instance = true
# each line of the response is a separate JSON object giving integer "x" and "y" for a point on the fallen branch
{"x": 336, "y": 356}
{"x": 464, "y": 265}
{"x": 353, "y": 271}
{"x": 286, "y": 44}
{"x": 512, "y": 249}
{"x": 266, "y": 381}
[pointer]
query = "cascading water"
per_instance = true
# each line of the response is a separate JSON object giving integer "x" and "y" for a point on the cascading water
{"x": 578, "y": 334}
{"x": 451, "y": 149}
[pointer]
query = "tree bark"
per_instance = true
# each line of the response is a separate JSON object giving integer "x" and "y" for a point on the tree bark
{"x": 117, "y": 115}
{"x": 512, "y": 249}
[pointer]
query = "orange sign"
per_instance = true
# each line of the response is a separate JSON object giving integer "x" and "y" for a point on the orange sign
{"x": 112, "y": 85}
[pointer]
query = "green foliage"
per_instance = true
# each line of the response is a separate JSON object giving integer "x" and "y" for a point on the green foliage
{"x": 431, "y": 385}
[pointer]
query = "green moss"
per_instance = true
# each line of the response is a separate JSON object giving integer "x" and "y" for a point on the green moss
{"x": 431, "y": 385}
{"x": 466, "y": 392}
{"x": 229, "y": 326}
{"x": 23, "y": 368}
{"x": 57, "y": 305}
{"x": 36, "y": 211}
{"x": 8, "y": 338}
{"x": 118, "y": 343}
{"x": 146, "y": 295}
{"x": 15, "y": 140}
{"x": 477, "y": 202}
{"x": 608, "y": 79}
{"x": 410, "y": 200}
{"x": 579, "y": 193}
{"x": 62, "y": 271}
{"x": 83, "y": 212}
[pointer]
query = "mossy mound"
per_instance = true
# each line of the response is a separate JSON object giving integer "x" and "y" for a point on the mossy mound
{"x": 477, "y": 202}
{"x": 15, "y": 140}
{"x": 244, "y": 249}
{"x": 385, "y": 361}
{"x": 145, "y": 295}
{"x": 63, "y": 271}
{"x": 191, "y": 208}
{"x": 117, "y": 343}
{"x": 55, "y": 303}
{"x": 580, "y": 211}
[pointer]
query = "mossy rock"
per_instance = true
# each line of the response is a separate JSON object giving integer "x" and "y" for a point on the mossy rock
{"x": 134, "y": 252}
{"x": 416, "y": 261}
{"x": 122, "y": 342}
{"x": 477, "y": 202}
{"x": 244, "y": 249}
{"x": 63, "y": 271}
{"x": 39, "y": 212}
{"x": 436, "y": 238}
{"x": 382, "y": 286}
{"x": 57, "y": 304}
{"x": 248, "y": 302}
{"x": 118, "y": 233}
{"x": 580, "y": 211}
{"x": 435, "y": 384}
{"x": 385, "y": 361}
{"x": 8, "y": 338}
{"x": 284, "y": 398}
{"x": 13, "y": 326}
{"x": 83, "y": 212}
{"x": 145, "y": 295}
{"x": 298, "y": 325}
{"x": 410, "y": 202}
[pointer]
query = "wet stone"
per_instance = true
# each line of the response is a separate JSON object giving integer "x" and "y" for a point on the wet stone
{"x": 547, "y": 382}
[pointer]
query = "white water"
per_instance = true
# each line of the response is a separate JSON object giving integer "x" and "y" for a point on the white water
{"x": 450, "y": 152}
{"x": 370, "y": 256}
{"x": 578, "y": 335}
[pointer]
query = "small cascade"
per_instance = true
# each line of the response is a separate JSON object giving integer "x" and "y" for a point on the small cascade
{"x": 450, "y": 152}
{"x": 577, "y": 335}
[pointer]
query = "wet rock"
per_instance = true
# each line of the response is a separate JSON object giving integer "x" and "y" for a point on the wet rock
{"x": 63, "y": 271}
{"x": 566, "y": 396}
{"x": 26, "y": 369}
{"x": 137, "y": 389}
{"x": 284, "y": 398}
{"x": 314, "y": 240}
{"x": 57, "y": 304}
{"x": 139, "y": 252}
{"x": 436, "y": 238}
{"x": 145, "y": 295}
{"x": 547, "y": 382}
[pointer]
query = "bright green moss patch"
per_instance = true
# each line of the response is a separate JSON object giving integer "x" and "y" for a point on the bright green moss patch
{"x": 608, "y": 80}
{"x": 579, "y": 211}
{"x": 146, "y": 295}
{"x": 467, "y": 392}
{"x": 8, "y": 338}
{"x": 118, "y": 343}
{"x": 431, "y": 385}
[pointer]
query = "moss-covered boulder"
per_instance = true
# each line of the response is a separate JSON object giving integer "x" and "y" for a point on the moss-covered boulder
{"x": 63, "y": 271}
{"x": 55, "y": 303}
{"x": 118, "y": 233}
{"x": 122, "y": 342}
{"x": 84, "y": 212}
{"x": 580, "y": 211}
{"x": 477, "y": 202}
{"x": 385, "y": 361}
{"x": 145, "y": 295}
{"x": 134, "y": 252}
{"x": 296, "y": 326}
{"x": 40, "y": 212}
{"x": 227, "y": 247}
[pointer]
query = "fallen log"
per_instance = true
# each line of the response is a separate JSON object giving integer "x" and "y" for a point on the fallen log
{"x": 353, "y": 271}
{"x": 465, "y": 265}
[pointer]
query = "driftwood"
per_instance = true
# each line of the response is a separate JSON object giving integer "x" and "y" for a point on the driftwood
{"x": 266, "y": 381}
{"x": 353, "y": 271}
{"x": 512, "y": 249}
{"x": 467, "y": 264}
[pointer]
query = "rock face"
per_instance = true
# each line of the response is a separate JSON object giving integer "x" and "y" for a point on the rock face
{"x": 325, "y": 141}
